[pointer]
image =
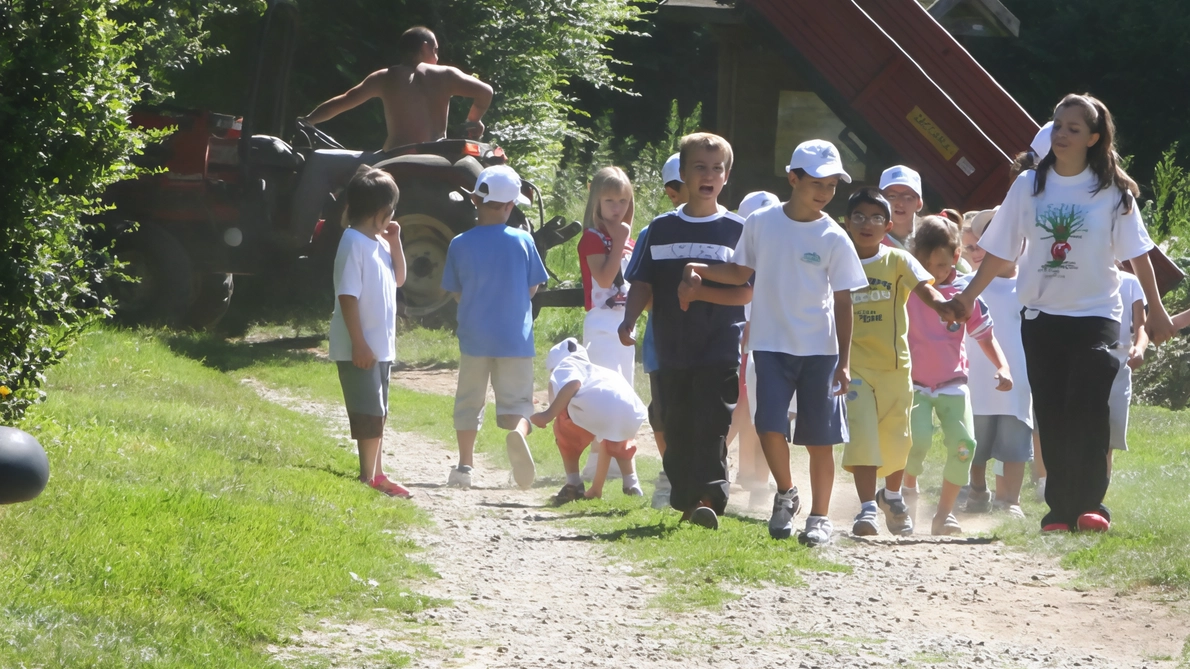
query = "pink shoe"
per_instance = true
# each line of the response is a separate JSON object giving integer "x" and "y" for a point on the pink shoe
{"x": 389, "y": 488}
{"x": 1093, "y": 521}
{"x": 1056, "y": 527}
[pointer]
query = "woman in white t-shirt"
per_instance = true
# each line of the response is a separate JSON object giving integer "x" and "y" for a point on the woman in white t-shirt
{"x": 1076, "y": 215}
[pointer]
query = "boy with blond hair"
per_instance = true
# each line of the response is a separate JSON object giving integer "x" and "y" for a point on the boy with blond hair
{"x": 698, "y": 350}
{"x": 494, "y": 270}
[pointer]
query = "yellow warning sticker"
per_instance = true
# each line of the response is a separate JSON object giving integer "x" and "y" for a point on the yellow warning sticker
{"x": 930, "y": 130}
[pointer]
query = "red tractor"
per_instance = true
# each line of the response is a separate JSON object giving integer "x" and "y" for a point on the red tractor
{"x": 220, "y": 207}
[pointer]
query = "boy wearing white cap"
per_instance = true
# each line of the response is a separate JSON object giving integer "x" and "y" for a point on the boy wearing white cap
{"x": 590, "y": 402}
{"x": 901, "y": 186}
{"x": 800, "y": 335}
{"x": 494, "y": 270}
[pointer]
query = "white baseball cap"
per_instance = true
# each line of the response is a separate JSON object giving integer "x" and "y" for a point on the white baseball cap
{"x": 755, "y": 201}
{"x": 499, "y": 183}
{"x": 819, "y": 158}
{"x": 672, "y": 171}
{"x": 902, "y": 176}
{"x": 1041, "y": 141}
{"x": 979, "y": 224}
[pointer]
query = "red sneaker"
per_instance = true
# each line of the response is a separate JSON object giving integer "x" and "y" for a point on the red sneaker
{"x": 1056, "y": 527}
{"x": 389, "y": 488}
{"x": 1093, "y": 521}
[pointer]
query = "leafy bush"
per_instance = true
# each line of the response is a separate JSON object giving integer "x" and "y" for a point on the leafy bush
{"x": 1164, "y": 380}
{"x": 70, "y": 72}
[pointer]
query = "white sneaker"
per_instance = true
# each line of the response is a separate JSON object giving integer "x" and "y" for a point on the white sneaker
{"x": 785, "y": 507}
{"x": 818, "y": 531}
{"x": 521, "y": 460}
{"x": 661, "y": 492}
{"x": 460, "y": 477}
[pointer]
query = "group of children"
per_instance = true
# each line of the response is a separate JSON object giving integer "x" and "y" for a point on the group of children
{"x": 857, "y": 333}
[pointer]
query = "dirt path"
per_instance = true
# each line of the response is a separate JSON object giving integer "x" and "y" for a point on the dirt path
{"x": 525, "y": 591}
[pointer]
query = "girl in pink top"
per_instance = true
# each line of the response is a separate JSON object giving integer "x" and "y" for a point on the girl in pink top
{"x": 939, "y": 368}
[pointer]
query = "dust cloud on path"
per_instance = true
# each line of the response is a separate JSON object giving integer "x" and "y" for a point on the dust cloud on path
{"x": 524, "y": 590}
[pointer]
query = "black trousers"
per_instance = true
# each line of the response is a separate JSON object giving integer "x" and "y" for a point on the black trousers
{"x": 696, "y": 406}
{"x": 1071, "y": 369}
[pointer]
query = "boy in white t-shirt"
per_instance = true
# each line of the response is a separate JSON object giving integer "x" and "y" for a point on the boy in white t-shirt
{"x": 805, "y": 268}
{"x": 369, "y": 267}
{"x": 901, "y": 186}
{"x": 589, "y": 402}
{"x": 1131, "y": 353}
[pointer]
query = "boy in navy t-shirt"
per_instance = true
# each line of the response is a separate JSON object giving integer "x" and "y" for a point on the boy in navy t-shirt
{"x": 698, "y": 349}
{"x": 494, "y": 271}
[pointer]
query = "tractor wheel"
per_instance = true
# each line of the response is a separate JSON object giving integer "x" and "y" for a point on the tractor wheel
{"x": 212, "y": 298}
{"x": 160, "y": 290}
{"x": 426, "y": 240}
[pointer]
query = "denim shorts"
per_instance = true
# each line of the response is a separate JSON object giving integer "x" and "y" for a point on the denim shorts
{"x": 821, "y": 416}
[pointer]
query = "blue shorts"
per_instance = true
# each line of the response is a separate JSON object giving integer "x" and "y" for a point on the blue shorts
{"x": 821, "y": 416}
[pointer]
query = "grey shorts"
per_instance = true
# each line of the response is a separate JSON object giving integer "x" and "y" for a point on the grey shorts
{"x": 1002, "y": 438}
{"x": 365, "y": 392}
{"x": 1117, "y": 407}
{"x": 512, "y": 381}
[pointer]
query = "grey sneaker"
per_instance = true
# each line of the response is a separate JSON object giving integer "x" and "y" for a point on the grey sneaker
{"x": 460, "y": 477}
{"x": 818, "y": 531}
{"x": 785, "y": 507}
{"x": 1013, "y": 510}
{"x": 979, "y": 501}
{"x": 634, "y": 491}
{"x": 521, "y": 460}
{"x": 704, "y": 516}
{"x": 865, "y": 523}
{"x": 946, "y": 526}
{"x": 896, "y": 513}
{"x": 661, "y": 492}
{"x": 569, "y": 493}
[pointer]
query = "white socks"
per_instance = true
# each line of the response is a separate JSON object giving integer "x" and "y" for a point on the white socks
{"x": 892, "y": 496}
{"x": 631, "y": 481}
{"x": 574, "y": 478}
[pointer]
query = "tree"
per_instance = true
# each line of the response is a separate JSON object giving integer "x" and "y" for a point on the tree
{"x": 70, "y": 71}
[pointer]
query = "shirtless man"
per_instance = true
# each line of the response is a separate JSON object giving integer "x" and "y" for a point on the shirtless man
{"x": 416, "y": 94}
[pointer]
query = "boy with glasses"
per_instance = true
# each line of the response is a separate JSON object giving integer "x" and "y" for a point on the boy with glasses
{"x": 881, "y": 395}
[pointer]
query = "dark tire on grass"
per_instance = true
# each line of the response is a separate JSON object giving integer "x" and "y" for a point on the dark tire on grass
{"x": 161, "y": 290}
{"x": 211, "y": 302}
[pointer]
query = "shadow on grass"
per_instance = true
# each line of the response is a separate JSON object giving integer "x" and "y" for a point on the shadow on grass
{"x": 228, "y": 356}
{"x": 657, "y": 531}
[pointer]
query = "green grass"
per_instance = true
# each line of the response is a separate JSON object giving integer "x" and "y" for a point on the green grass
{"x": 699, "y": 568}
{"x": 1150, "y": 513}
{"x": 188, "y": 522}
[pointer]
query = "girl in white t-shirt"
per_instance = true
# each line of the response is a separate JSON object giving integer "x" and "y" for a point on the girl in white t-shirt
{"x": 604, "y": 251}
{"x": 1075, "y": 215}
{"x": 369, "y": 267}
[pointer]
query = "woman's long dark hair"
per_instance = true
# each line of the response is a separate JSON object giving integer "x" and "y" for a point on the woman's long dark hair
{"x": 1102, "y": 158}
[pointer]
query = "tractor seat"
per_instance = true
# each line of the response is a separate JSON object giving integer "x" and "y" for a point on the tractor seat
{"x": 461, "y": 173}
{"x": 269, "y": 151}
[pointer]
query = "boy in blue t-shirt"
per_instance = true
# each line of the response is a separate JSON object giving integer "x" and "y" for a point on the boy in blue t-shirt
{"x": 494, "y": 270}
{"x": 698, "y": 350}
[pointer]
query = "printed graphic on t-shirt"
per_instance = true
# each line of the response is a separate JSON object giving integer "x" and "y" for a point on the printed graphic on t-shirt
{"x": 1063, "y": 223}
{"x": 878, "y": 290}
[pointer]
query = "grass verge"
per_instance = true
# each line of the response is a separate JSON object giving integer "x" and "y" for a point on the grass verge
{"x": 187, "y": 522}
{"x": 700, "y": 568}
{"x": 1150, "y": 513}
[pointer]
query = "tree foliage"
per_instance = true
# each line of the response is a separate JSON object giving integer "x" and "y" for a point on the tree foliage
{"x": 70, "y": 71}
